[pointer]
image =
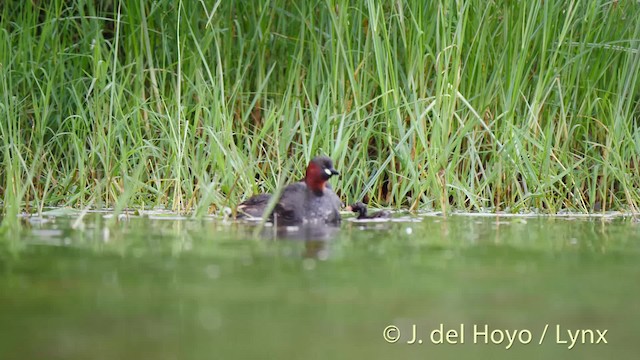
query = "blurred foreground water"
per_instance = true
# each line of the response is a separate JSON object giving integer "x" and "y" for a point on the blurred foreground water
{"x": 160, "y": 286}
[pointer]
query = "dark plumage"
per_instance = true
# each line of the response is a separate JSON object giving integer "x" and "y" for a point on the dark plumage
{"x": 361, "y": 209}
{"x": 308, "y": 201}
{"x": 253, "y": 206}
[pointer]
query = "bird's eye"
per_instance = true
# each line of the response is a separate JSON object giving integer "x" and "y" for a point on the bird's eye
{"x": 327, "y": 171}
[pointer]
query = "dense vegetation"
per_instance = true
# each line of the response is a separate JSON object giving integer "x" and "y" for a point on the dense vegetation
{"x": 195, "y": 105}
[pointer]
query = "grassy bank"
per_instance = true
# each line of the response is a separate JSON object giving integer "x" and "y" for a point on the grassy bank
{"x": 500, "y": 105}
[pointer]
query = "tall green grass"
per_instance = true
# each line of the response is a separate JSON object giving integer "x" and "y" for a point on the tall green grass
{"x": 195, "y": 105}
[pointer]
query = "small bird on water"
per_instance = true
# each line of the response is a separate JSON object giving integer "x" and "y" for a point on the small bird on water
{"x": 308, "y": 201}
{"x": 361, "y": 209}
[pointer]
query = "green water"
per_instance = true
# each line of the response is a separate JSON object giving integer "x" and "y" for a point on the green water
{"x": 166, "y": 288}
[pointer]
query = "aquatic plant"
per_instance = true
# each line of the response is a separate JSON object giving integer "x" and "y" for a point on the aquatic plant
{"x": 499, "y": 105}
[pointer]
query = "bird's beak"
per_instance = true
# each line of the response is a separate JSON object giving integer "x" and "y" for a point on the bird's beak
{"x": 331, "y": 172}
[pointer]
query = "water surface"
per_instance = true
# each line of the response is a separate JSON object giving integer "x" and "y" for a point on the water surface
{"x": 164, "y": 287}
